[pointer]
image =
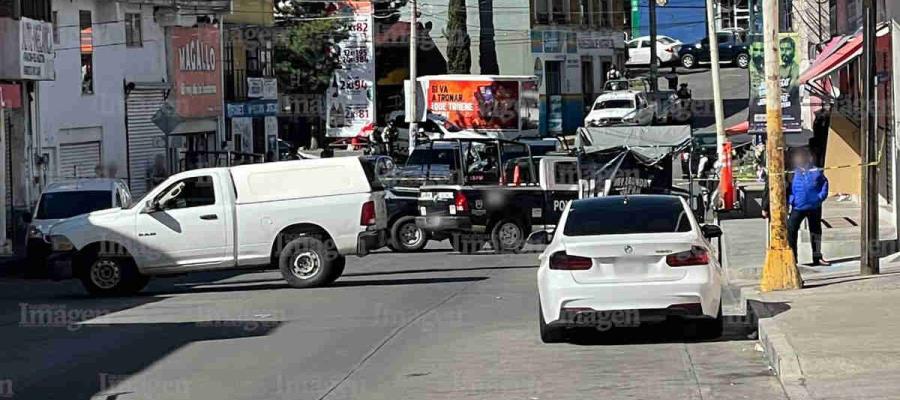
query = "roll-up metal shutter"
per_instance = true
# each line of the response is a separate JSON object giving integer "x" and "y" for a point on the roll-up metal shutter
{"x": 145, "y": 140}
{"x": 79, "y": 160}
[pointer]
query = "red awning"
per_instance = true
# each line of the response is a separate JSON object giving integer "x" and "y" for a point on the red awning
{"x": 738, "y": 129}
{"x": 841, "y": 53}
{"x": 837, "y": 53}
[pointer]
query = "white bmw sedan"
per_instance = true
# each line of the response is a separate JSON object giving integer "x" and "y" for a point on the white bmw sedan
{"x": 623, "y": 260}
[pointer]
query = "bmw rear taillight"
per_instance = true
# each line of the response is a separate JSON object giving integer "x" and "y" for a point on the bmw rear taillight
{"x": 367, "y": 215}
{"x": 561, "y": 260}
{"x": 695, "y": 256}
{"x": 461, "y": 202}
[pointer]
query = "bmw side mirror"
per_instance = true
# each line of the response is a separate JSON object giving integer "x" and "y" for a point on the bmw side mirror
{"x": 540, "y": 237}
{"x": 711, "y": 231}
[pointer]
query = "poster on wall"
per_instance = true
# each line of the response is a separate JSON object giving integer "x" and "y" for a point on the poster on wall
{"x": 350, "y": 99}
{"x": 196, "y": 72}
{"x": 468, "y": 104}
{"x": 789, "y": 73}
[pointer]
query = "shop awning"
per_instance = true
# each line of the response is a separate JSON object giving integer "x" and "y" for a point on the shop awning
{"x": 836, "y": 54}
{"x": 738, "y": 129}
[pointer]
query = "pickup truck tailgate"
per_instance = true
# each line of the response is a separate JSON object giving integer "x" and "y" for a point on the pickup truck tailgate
{"x": 437, "y": 202}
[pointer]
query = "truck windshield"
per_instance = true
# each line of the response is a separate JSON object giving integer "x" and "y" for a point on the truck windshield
{"x": 60, "y": 205}
{"x": 610, "y": 104}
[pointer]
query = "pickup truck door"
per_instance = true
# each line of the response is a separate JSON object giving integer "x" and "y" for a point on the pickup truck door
{"x": 189, "y": 230}
{"x": 560, "y": 181}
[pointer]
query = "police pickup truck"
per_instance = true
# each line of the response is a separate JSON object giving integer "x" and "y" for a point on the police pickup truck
{"x": 500, "y": 193}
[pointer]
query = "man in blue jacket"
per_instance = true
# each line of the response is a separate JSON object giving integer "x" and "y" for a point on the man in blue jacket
{"x": 807, "y": 190}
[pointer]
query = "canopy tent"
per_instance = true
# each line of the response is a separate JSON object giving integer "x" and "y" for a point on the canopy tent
{"x": 652, "y": 143}
{"x": 628, "y": 160}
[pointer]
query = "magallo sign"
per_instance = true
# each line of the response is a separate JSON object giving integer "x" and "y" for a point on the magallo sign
{"x": 196, "y": 71}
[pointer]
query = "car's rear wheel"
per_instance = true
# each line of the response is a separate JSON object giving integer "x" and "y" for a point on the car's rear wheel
{"x": 549, "y": 334}
{"x": 307, "y": 262}
{"x": 688, "y": 61}
{"x": 466, "y": 243}
{"x": 742, "y": 60}
{"x": 507, "y": 236}
{"x": 406, "y": 236}
{"x": 111, "y": 276}
{"x": 711, "y": 328}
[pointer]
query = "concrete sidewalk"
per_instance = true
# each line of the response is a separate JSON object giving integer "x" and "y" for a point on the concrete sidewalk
{"x": 837, "y": 337}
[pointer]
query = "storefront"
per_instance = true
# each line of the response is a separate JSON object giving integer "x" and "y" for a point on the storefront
{"x": 571, "y": 68}
{"x": 196, "y": 98}
{"x": 26, "y": 56}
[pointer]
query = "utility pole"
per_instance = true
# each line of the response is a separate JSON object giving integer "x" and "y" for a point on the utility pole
{"x": 654, "y": 59}
{"x": 869, "y": 243}
{"x": 717, "y": 89}
{"x": 413, "y": 96}
{"x": 780, "y": 269}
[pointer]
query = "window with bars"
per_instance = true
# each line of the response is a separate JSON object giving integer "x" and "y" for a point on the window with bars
{"x": 134, "y": 34}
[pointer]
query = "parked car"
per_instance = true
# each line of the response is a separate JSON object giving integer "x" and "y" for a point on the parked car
{"x": 639, "y": 50}
{"x": 628, "y": 254}
{"x": 621, "y": 108}
{"x": 66, "y": 199}
{"x": 733, "y": 48}
{"x": 303, "y": 216}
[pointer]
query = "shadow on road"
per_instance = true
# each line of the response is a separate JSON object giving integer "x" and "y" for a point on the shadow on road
{"x": 422, "y": 271}
{"x": 278, "y": 283}
{"x": 737, "y": 328}
{"x": 104, "y": 359}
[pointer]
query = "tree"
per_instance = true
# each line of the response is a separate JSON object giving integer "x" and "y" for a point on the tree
{"x": 487, "y": 47}
{"x": 307, "y": 55}
{"x": 459, "y": 57}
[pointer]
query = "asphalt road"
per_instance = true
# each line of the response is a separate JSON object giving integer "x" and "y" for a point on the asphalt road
{"x": 434, "y": 325}
{"x": 735, "y": 86}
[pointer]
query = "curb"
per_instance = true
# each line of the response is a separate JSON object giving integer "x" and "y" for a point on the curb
{"x": 779, "y": 352}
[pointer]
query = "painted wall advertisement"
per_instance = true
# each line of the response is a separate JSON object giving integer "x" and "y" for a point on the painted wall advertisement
{"x": 789, "y": 71}
{"x": 195, "y": 67}
{"x": 351, "y": 95}
{"x": 27, "y": 47}
{"x": 476, "y": 104}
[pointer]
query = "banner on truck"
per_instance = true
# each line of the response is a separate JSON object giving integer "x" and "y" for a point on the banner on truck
{"x": 485, "y": 104}
{"x": 789, "y": 72}
{"x": 350, "y": 99}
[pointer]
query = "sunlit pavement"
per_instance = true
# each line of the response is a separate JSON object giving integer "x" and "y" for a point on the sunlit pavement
{"x": 413, "y": 326}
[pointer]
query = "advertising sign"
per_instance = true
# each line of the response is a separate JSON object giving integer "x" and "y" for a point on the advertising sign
{"x": 26, "y": 50}
{"x": 351, "y": 95}
{"x": 789, "y": 71}
{"x": 476, "y": 104}
{"x": 196, "y": 71}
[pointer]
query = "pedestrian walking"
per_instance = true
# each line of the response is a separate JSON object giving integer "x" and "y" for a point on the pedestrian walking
{"x": 807, "y": 189}
{"x": 613, "y": 73}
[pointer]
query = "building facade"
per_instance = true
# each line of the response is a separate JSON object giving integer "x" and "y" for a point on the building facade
{"x": 573, "y": 46}
{"x": 27, "y": 56}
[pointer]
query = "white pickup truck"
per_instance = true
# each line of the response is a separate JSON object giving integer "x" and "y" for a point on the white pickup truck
{"x": 302, "y": 216}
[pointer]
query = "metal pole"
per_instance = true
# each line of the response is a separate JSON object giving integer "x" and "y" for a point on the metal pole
{"x": 654, "y": 60}
{"x": 780, "y": 269}
{"x": 412, "y": 96}
{"x": 869, "y": 262}
{"x": 717, "y": 89}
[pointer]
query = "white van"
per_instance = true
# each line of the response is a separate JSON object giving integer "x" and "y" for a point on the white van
{"x": 303, "y": 216}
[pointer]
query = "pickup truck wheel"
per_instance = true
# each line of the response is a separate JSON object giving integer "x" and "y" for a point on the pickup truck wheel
{"x": 337, "y": 269}
{"x": 111, "y": 276}
{"x": 466, "y": 243}
{"x": 508, "y": 236}
{"x": 406, "y": 236}
{"x": 688, "y": 61}
{"x": 742, "y": 60}
{"x": 304, "y": 263}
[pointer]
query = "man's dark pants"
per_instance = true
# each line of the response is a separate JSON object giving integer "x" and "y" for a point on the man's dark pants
{"x": 814, "y": 219}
